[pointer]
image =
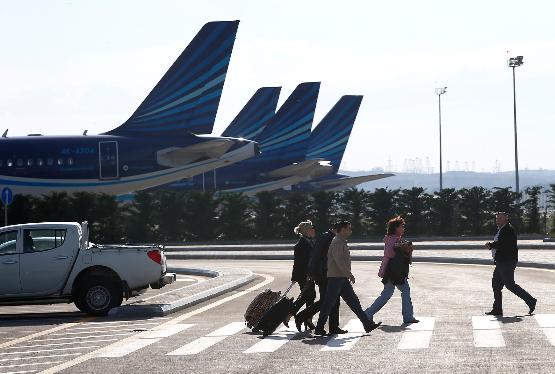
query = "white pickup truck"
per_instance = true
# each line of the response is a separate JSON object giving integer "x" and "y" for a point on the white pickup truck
{"x": 47, "y": 263}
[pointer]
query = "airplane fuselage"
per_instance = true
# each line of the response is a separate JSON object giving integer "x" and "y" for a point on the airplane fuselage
{"x": 102, "y": 163}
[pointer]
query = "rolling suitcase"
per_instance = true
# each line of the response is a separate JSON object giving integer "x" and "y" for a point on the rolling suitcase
{"x": 260, "y": 305}
{"x": 276, "y": 314}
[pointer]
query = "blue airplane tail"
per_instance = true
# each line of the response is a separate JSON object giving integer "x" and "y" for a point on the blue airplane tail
{"x": 288, "y": 133}
{"x": 254, "y": 117}
{"x": 329, "y": 139}
{"x": 188, "y": 95}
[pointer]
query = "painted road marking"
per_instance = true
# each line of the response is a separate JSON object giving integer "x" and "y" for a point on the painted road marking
{"x": 487, "y": 332}
{"x": 40, "y": 333}
{"x": 48, "y": 350}
{"x": 31, "y": 364}
{"x": 547, "y": 325}
{"x": 37, "y": 357}
{"x": 142, "y": 340}
{"x": 81, "y": 337}
{"x": 65, "y": 365}
{"x": 209, "y": 340}
{"x": 125, "y": 321}
{"x": 108, "y": 327}
{"x": 66, "y": 333}
{"x": 418, "y": 335}
{"x": 62, "y": 344}
{"x": 273, "y": 342}
{"x": 167, "y": 292}
{"x": 345, "y": 342}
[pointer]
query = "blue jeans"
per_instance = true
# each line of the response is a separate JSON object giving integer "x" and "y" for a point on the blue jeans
{"x": 341, "y": 287}
{"x": 386, "y": 294}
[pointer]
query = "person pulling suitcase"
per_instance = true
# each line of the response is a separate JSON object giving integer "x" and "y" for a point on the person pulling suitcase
{"x": 317, "y": 272}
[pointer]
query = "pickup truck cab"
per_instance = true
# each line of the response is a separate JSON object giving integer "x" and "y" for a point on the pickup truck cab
{"x": 53, "y": 262}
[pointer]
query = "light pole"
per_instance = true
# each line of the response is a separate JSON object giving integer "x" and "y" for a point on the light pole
{"x": 513, "y": 63}
{"x": 440, "y": 91}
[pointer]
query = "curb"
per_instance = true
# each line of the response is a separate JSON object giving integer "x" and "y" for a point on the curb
{"x": 160, "y": 310}
{"x": 357, "y": 247}
{"x": 443, "y": 260}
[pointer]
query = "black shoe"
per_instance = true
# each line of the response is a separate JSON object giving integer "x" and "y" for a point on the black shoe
{"x": 321, "y": 332}
{"x": 494, "y": 313}
{"x": 532, "y": 306}
{"x": 338, "y": 331}
{"x": 286, "y": 321}
{"x": 308, "y": 325}
{"x": 414, "y": 320}
{"x": 299, "y": 324}
{"x": 372, "y": 326}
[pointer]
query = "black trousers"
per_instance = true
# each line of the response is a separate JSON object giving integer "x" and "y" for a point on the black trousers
{"x": 311, "y": 310}
{"x": 504, "y": 276}
{"x": 307, "y": 296}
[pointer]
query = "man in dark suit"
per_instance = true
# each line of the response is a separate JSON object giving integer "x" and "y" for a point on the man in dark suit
{"x": 505, "y": 254}
{"x": 317, "y": 271}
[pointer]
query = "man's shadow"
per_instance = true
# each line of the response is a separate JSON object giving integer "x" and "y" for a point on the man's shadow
{"x": 514, "y": 319}
{"x": 393, "y": 328}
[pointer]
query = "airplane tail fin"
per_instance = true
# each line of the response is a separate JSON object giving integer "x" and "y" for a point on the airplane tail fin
{"x": 188, "y": 95}
{"x": 288, "y": 132}
{"x": 329, "y": 139}
{"x": 254, "y": 117}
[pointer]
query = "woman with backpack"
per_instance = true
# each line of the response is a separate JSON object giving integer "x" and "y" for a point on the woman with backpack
{"x": 394, "y": 270}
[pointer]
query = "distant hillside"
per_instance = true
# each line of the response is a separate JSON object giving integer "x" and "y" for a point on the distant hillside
{"x": 459, "y": 179}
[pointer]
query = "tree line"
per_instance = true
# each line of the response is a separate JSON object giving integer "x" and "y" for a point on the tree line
{"x": 172, "y": 216}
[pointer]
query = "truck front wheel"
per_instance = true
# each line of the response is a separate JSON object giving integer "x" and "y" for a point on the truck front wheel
{"x": 96, "y": 296}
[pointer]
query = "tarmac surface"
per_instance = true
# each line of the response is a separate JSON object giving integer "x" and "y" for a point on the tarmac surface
{"x": 454, "y": 336}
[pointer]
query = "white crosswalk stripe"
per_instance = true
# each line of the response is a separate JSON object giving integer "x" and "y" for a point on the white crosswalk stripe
{"x": 345, "y": 342}
{"x": 418, "y": 335}
{"x": 487, "y": 332}
{"x": 142, "y": 340}
{"x": 547, "y": 325}
{"x": 209, "y": 340}
{"x": 273, "y": 342}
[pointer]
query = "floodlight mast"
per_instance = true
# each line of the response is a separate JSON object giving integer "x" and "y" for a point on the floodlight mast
{"x": 440, "y": 91}
{"x": 513, "y": 63}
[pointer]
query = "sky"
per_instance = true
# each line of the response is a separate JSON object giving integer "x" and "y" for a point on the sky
{"x": 67, "y": 66}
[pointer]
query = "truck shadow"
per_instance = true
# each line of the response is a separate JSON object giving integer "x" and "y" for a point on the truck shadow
{"x": 31, "y": 316}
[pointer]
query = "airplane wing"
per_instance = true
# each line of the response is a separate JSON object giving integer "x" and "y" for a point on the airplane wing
{"x": 307, "y": 168}
{"x": 347, "y": 182}
{"x": 273, "y": 185}
{"x": 179, "y": 156}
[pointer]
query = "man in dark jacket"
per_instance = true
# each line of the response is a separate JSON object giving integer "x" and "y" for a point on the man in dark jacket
{"x": 505, "y": 254}
{"x": 317, "y": 271}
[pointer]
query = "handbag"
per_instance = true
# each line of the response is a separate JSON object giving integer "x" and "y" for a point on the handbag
{"x": 397, "y": 270}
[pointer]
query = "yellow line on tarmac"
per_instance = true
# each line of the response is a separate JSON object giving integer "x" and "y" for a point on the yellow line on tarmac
{"x": 79, "y": 360}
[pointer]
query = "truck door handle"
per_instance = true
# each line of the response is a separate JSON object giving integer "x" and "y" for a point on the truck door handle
{"x": 62, "y": 257}
{"x": 9, "y": 262}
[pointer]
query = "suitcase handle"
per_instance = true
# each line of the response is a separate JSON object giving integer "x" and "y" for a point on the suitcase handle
{"x": 288, "y": 289}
